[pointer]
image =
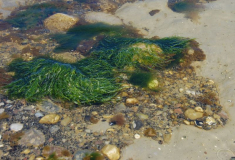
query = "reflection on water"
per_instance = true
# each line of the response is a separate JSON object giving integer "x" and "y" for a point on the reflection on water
{"x": 102, "y": 76}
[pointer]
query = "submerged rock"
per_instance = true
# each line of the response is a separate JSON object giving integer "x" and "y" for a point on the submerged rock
{"x": 192, "y": 114}
{"x": 150, "y": 132}
{"x": 49, "y": 106}
{"x": 111, "y": 151}
{"x": 32, "y": 137}
{"x": 60, "y": 22}
{"x": 50, "y": 119}
{"x": 16, "y": 127}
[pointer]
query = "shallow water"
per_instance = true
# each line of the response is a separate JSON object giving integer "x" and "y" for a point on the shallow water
{"x": 185, "y": 113}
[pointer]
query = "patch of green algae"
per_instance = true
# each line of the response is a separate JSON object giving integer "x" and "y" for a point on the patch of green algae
{"x": 32, "y": 16}
{"x": 95, "y": 79}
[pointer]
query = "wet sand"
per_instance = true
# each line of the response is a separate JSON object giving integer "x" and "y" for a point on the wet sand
{"x": 214, "y": 30}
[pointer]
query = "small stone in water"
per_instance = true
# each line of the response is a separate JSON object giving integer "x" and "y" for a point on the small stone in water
{"x": 198, "y": 109}
{"x": 137, "y": 124}
{"x": 16, "y": 127}
{"x": 111, "y": 151}
{"x": 131, "y": 101}
{"x": 137, "y": 136}
{"x": 39, "y": 114}
{"x": 66, "y": 121}
{"x": 2, "y": 110}
{"x": 1, "y": 104}
{"x": 150, "y": 132}
{"x": 50, "y": 119}
{"x": 54, "y": 129}
{"x": 142, "y": 116}
{"x": 192, "y": 114}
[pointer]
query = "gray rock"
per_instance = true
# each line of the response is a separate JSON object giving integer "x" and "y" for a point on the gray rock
{"x": 54, "y": 129}
{"x": 50, "y": 107}
{"x": 39, "y": 114}
{"x": 120, "y": 107}
{"x": 79, "y": 155}
{"x": 138, "y": 124}
{"x": 32, "y": 137}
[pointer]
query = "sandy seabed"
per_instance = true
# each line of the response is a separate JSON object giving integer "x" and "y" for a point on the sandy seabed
{"x": 215, "y": 31}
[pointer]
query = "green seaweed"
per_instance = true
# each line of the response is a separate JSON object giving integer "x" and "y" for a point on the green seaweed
{"x": 95, "y": 68}
{"x": 122, "y": 51}
{"x": 34, "y": 15}
{"x": 73, "y": 36}
{"x": 44, "y": 77}
{"x": 95, "y": 78}
{"x": 141, "y": 79}
{"x": 93, "y": 156}
{"x": 52, "y": 157}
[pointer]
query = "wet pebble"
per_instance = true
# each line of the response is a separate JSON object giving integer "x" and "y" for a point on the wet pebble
{"x": 111, "y": 151}
{"x": 50, "y": 119}
{"x": 16, "y": 127}
{"x": 66, "y": 121}
{"x": 54, "y": 129}
{"x": 39, "y": 114}
{"x": 137, "y": 124}
{"x": 192, "y": 114}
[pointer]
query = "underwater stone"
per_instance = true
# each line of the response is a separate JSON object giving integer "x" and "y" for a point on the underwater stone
{"x": 60, "y": 22}
{"x": 50, "y": 107}
{"x": 79, "y": 155}
{"x": 153, "y": 85}
{"x": 99, "y": 17}
{"x": 131, "y": 101}
{"x": 50, "y": 119}
{"x": 120, "y": 107}
{"x": 142, "y": 116}
{"x": 16, "y": 127}
{"x": 192, "y": 114}
{"x": 66, "y": 121}
{"x": 32, "y": 137}
{"x": 111, "y": 151}
{"x": 150, "y": 132}
{"x": 210, "y": 121}
{"x": 54, "y": 129}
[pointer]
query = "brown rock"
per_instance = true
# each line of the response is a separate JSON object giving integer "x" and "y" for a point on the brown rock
{"x": 150, "y": 132}
{"x": 131, "y": 101}
{"x": 60, "y": 22}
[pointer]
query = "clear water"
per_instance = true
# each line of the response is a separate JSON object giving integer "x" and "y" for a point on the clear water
{"x": 119, "y": 104}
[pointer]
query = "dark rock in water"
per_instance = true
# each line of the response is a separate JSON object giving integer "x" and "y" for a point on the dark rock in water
{"x": 79, "y": 155}
{"x": 153, "y": 12}
{"x": 87, "y": 118}
{"x": 138, "y": 124}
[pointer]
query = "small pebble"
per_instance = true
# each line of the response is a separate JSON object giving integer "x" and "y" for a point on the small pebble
{"x": 2, "y": 110}
{"x": 137, "y": 136}
{"x": 39, "y": 114}
{"x": 1, "y": 104}
{"x": 16, "y": 127}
